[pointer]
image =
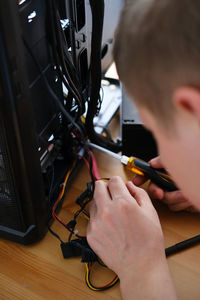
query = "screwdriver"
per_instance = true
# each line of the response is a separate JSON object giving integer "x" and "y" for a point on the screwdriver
{"x": 141, "y": 168}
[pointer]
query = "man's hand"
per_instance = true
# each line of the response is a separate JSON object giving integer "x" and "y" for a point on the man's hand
{"x": 176, "y": 201}
{"x": 125, "y": 232}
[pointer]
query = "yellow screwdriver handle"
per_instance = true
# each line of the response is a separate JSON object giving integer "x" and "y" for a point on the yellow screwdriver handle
{"x": 131, "y": 166}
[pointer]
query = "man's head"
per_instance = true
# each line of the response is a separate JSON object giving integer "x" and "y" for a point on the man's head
{"x": 157, "y": 54}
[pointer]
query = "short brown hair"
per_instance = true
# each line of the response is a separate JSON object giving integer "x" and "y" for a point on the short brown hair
{"x": 157, "y": 48}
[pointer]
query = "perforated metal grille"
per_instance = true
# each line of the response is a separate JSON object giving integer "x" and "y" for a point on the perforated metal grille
{"x": 9, "y": 210}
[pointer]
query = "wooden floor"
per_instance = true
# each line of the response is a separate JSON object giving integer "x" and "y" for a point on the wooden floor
{"x": 40, "y": 272}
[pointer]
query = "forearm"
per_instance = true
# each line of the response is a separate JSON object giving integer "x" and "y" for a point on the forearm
{"x": 149, "y": 284}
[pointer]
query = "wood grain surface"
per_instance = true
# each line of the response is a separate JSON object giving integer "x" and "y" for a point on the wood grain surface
{"x": 40, "y": 272}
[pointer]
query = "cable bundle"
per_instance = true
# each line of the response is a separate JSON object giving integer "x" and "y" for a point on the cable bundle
{"x": 64, "y": 62}
{"x": 97, "y": 8}
{"x": 79, "y": 246}
{"x": 100, "y": 288}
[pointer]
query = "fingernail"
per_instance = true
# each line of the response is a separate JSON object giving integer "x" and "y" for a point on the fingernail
{"x": 159, "y": 196}
{"x": 152, "y": 160}
{"x": 179, "y": 195}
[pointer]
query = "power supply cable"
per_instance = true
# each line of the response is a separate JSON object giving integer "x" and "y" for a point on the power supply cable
{"x": 64, "y": 57}
{"x": 91, "y": 286}
{"x": 68, "y": 117}
{"x": 97, "y": 8}
{"x": 60, "y": 55}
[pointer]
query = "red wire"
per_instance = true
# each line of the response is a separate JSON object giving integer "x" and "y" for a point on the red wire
{"x": 111, "y": 281}
{"x": 95, "y": 170}
{"x": 108, "y": 284}
{"x": 85, "y": 160}
{"x": 96, "y": 176}
{"x": 56, "y": 216}
{"x": 53, "y": 210}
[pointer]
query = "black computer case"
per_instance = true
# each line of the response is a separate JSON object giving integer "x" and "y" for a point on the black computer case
{"x": 136, "y": 139}
{"x": 28, "y": 117}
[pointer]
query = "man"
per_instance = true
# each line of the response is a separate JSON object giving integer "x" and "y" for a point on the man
{"x": 157, "y": 54}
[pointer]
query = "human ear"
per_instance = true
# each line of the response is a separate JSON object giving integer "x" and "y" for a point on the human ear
{"x": 187, "y": 99}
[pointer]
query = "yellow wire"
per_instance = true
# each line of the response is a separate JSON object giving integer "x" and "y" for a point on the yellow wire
{"x": 86, "y": 217}
{"x": 65, "y": 181}
{"x": 83, "y": 119}
{"x": 103, "y": 179}
{"x": 87, "y": 279}
{"x": 87, "y": 269}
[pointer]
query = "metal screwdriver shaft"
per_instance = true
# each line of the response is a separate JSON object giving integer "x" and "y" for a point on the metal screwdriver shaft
{"x": 141, "y": 168}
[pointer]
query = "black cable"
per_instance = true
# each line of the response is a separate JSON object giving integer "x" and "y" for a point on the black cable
{"x": 72, "y": 69}
{"x": 97, "y": 8}
{"x": 101, "y": 263}
{"x": 112, "y": 80}
{"x": 57, "y": 44}
{"x": 50, "y": 206}
{"x": 68, "y": 57}
{"x": 90, "y": 196}
{"x": 54, "y": 96}
{"x": 55, "y": 234}
{"x": 98, "y": 288}
{"x": 51, "y": 187}
{"x": 54, "y": 45}
{"x": 59, "y": 35}
{"x": 72, "y": 27}
{"x": 72, "y": 224}
{"x": 108, "y": 134}
{"x": 182, "y": 245}
{"x": 91, "y": 174}
{"x": 75, "y": 217}
{"x": 55, "y": 52}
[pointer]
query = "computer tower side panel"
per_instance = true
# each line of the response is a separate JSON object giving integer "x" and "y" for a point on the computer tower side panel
{"x": 23, "y": 207}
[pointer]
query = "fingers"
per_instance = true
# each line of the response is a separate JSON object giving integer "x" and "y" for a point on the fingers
{"x": 176, "y": 197}
{"x": 101, "y": 198}
{"x": 192, "y": 209}
{"x": 169, "y": 198}
{"x": 179, "y": 206}
{"x": 118, "y": 190}
{"x": 139, "y": 180}
{"x": 105, "y": 193}
{"x": 176, "y": 201}
{"x": 139, "y": 194}
{"x": 93, "y": 210}
{"x": 156, "y": 163}
{"x": 155, "y": 192}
